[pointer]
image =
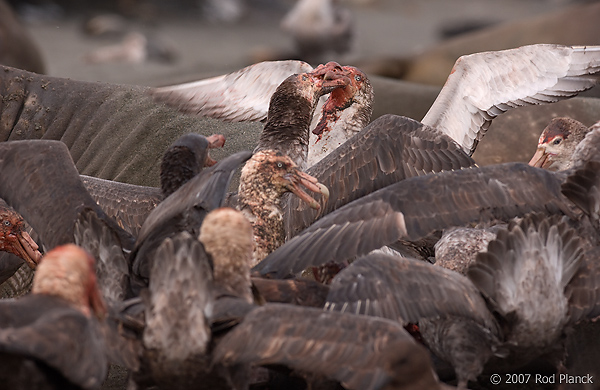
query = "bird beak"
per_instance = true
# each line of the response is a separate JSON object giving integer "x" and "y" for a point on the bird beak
{"x": 214, "y": 141}
{"x": 296, "y": 178}
{"x": 539, "y": 158}
{"x": 27, "y": 249}
{"x": 333, "y": 76}
{"x": 330, "y": 85}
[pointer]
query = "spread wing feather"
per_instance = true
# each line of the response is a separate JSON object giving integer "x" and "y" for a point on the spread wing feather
{"x": 406, "y": 290}
{"x": 351, "y": 349}
{"x": 392, "y": 148}
{"x": 243, "y": 95}
{"x": 414, "y": 208}
{"x": 128, "y": 204}
{"x": 38, "y": 179}
{"x": 482, "y": 86}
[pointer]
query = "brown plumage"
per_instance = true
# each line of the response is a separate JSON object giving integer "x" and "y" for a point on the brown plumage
{"x": 291, "y": 110}
{"x": 130, "y": 204}
{"x": 185, "y": 158}
{"x": 34, "y": 174}
{"x": 360, "y": 352}
{"x": 245, "y": 95}
{"x": 50, "y": 339}
{"x": 265, "y": 178}
{"x": 163, "y": 339}
{"x": 416, "y": 210}
{"x": 184, "y": 210}
{"x": 44, "y": 169}
{"x": 452, "y": 315}
{"x": 275, "y": 167}
{"x": 299, "y": 291}
{"x": 539, "y": 277}
{"x": 390, "y": 149}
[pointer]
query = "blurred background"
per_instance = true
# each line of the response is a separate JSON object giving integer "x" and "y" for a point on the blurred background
{"x": 152, "y": 42}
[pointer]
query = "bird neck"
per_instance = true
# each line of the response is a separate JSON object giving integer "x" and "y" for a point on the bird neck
{"x": 263, "y": 210}
{"x": 287, "y": 127}
{"x": 179, "y": 165}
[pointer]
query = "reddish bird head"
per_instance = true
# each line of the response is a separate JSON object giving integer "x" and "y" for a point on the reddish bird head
{"x": 14, "y": 238}
{"x": 358, "y": 90}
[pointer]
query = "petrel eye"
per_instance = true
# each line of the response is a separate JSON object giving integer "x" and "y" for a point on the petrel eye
{"x": 557, "y": 141}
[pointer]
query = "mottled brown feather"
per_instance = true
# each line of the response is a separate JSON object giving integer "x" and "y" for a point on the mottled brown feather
{"x": 128, "y": 204}
{"x": 41, "y": 182}
{"x": 355, "y": 350}
{"x": 406, "y": 290}
{"x": 300, "y": 292}
{"x": 390, "y": 149}
{"x": 415, "y": 208}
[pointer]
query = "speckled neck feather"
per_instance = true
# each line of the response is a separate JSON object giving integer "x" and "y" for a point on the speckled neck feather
{"x": 260, "y": 201}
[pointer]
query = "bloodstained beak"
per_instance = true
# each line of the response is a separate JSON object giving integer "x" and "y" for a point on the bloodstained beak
{"x": 27, "y": 249}
{"x": 296, "y": 178}
{"x": 332, "y": 82}
{"x": 539, "y": 158}
{"x": 333, "y": 76}
{"x": 214, "y": 141}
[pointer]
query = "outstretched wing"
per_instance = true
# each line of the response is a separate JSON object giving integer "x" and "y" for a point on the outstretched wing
{"x": 406, "y": 290}
{"x": 40, "y": 181}
{"x": 390, "y": 149}
{"x": 360, "y": 352}
{"x": 414, "y": 208}
{"x": 243, "y": 95}
{"x": 484, "y": 85}
{"x": 128, "y": 204}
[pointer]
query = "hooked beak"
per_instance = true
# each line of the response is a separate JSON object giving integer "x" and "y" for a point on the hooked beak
{"x": 214, "y": 141}
{"x": 27, "y": 249}
{"x": 539, "y": 158}
{"x": 296, "y": 178}
{"x": 333, "y": 76}
{"x": 332, "y": 82}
